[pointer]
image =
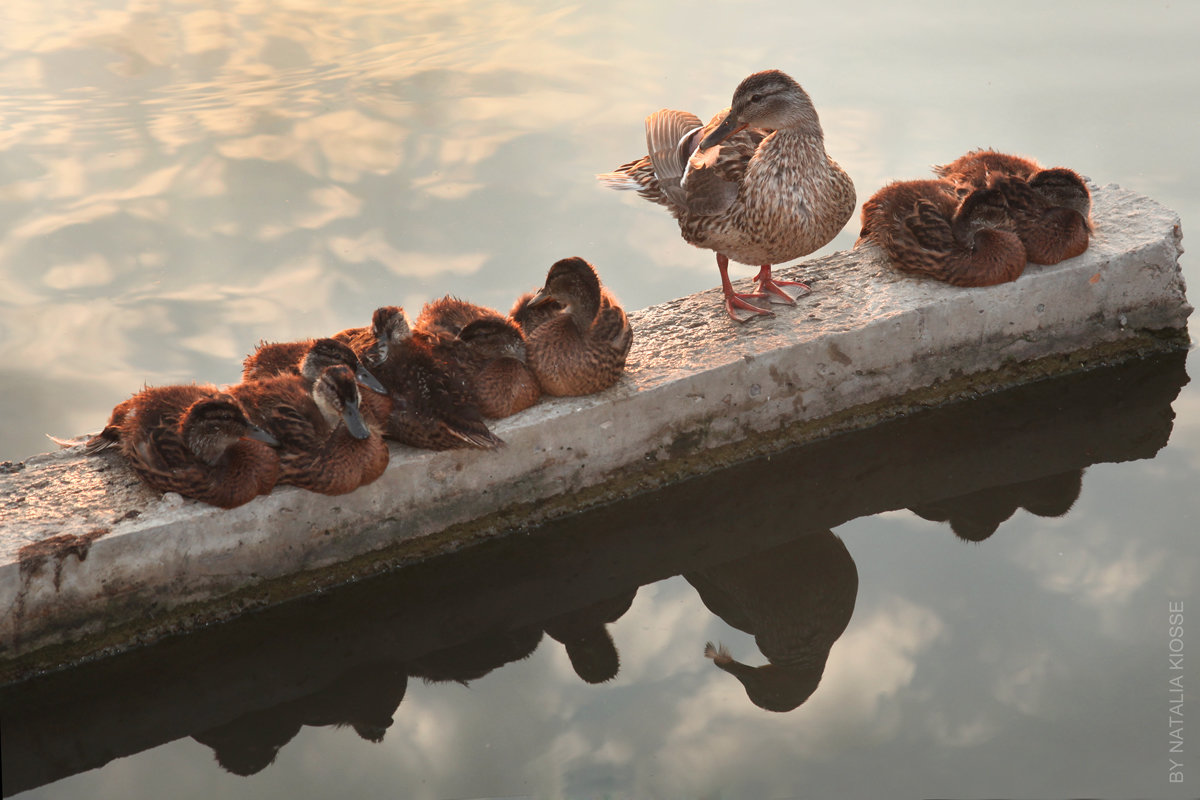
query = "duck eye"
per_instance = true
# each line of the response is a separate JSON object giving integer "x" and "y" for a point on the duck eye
{"x": 756, "y": 98}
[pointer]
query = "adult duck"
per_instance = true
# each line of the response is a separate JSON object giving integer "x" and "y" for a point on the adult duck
{"x": 326, "y": 443}
{"x": 582, "y": 348}
{"x": 432, "y": 404}
{"x": 194, "y": 440}
{"x": 755, "y": 185}
{"x": 923, "y": 229}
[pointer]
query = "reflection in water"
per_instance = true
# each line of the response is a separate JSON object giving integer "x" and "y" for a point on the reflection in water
{"x": 584, "y": 632}
{"x": 976, "y": 516}
{"x": 365, "y": 698}
{"x": 247, "y": 688}
{"x": 795, "y": 600}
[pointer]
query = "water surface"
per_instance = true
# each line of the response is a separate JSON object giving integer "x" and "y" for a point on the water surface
{"x": 179, "y": 180}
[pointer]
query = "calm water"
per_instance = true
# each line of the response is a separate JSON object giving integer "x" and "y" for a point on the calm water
{"x": 179, "y": 180}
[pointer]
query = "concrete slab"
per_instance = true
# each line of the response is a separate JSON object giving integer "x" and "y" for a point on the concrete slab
{"x": 90, "y": 559}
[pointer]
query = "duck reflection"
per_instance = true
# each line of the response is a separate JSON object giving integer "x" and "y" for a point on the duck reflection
{"x": 975, "y": 516}
{"x": 584, "y": 633}
{"x": 469, "y": 661}
{"x": 796, "y": 600}
{"x": 364, "y": 698}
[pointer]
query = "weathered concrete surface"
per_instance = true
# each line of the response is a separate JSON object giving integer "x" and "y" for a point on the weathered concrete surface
{"x": 85, "y": 551}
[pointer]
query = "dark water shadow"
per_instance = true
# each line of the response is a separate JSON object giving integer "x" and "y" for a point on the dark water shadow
{"x": 754, "y": 540}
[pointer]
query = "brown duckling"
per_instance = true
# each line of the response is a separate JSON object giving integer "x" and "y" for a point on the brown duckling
{"x": 309, "y": 358}
{"x": 923, "y": 229}
{"x": 755, "y": 185}
{"x": 449, "y": 315}
{"x": 492, "y": 353}
{"x": 193, "y": 440}
{"x": 432, "y": 405}
{"x": 978, "y": 166}
{"x": 1051, "y": 208}
{"x": 581, "y": 349}
{"x": 326, "y": 443}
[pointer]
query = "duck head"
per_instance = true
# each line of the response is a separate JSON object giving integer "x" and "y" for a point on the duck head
{"x": 770, "y": 100}
{"x": 494, "y": 338}
{"x": 212, "y": 425}
{"x": 326, "y": 353}
{"x": 336, "y": 395}
{"x": 573, "y": 283}
{"x": 390, "y": 327}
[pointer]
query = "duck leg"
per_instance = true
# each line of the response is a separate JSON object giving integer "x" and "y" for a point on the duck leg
{"x": 774, "y": 290}
{"x": 737, "y": 304}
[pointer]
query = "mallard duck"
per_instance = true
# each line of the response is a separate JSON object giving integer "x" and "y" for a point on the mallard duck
{"x": 326, "y": 443}
{"x": 923, "y": 229}
{"x": 755, "y": 185}
{"x": 582, "y": 348}
{"x": 432, "y": 405}
{"x": 309, "y": 358}
{"x": 193, "y": 440}
{"x": 1051, "y": 208}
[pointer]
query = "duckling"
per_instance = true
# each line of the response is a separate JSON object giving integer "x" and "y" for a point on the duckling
{"x": 450, "y": 315}
{"x": 1051, "y": 208}
{"x": 923, "y": 229}
{"x": 492, "y": 353}
{"x": 528, "y": 316}
{"x": 432, "y": 405}
{"x": 581, "y": 349}
{"x": 755, "y": 185}
{"x": 193, "y": 440}
{"x": 326, "y": 444}
{"x": 1050, "y": 211}
{"x": 976, "y": 167}
{"x": 309, "y": 358}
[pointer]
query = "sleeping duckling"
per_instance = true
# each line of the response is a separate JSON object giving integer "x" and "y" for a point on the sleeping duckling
{"x": 326, "y": 443}
{"x": 193, "y": 440}
{"x": 432, "y": 405}
{"x": 923, "y": 229}
{"x": 1051, "y": 208}
{"x": 492, "y": 354}
{"x": 582, "y": 348}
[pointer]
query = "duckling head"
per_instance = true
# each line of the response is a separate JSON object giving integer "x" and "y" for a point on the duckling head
{"x": 494, "y": 338}
{"x": 325, "y": 353}
{"x": 1063, "y": 187}
{"x": 337, "y": 398}
{"x": 212, "y": 425}
{"x": 573, "y": 283}
{"x": 982, "y": 208}
{"x": 390, "y": 327}
{"x": 773, "y": 687}
{"x": 771, "y": 100}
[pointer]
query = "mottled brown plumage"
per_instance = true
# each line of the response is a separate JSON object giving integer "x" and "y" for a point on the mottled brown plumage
{"x": 492, "y": 353}
{"x": 755, "y": 185}
{"x": 432, "y": 405}
{"x": 923, "y": 229}
{"x": 449, "y": 315}
{"x": 309, "y": 357}
{"x": 194, "y": 440}
{"x": 1051, "y": 208}
{"x": 581, "y": 349}
{"x": 326, "y": 443}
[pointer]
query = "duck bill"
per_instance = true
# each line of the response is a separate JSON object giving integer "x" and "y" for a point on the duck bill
{"x": 727, "y": 128}
{"x": 364, "y": 376}
{"x": 258, "y": 434}
{"x": 539, "y": 299}
{"x": 355, "y": 423}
